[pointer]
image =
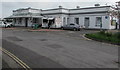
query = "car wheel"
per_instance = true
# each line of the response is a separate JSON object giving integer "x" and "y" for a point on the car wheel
{"x": 74, "y": 29}
{"x": 8, "y": 26}
{"x": 62, "y": 28}
{"x": 11, "y": 25}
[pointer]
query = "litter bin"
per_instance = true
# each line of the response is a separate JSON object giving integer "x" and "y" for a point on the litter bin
{"x": 35, "y": 26}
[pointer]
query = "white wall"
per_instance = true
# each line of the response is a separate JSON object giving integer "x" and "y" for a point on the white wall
{"x": 51, "y": 11}
{"x": 105, "y": 22}
{"x": 34, "y": 11}
{"x": 92, "y": 18}
{"x": 81, "y": 20}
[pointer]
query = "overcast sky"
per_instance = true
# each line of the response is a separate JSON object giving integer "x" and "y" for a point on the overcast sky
{"x": 6, "y": 6}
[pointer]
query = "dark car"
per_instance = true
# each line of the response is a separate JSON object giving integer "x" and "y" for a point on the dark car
{"x": 71, "y": 26}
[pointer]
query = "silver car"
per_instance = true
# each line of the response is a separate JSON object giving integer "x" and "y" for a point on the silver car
{"x": 71, "y": 26}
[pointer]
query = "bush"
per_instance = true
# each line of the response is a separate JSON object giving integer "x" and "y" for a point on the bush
{"x": 102, "y": 32}
{"x": 109, "y": 34}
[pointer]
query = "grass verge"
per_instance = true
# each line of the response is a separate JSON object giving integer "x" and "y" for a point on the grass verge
{"x": 103, "y": 36}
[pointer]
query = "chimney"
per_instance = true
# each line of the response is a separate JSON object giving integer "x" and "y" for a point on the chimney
{"x": 77, "y": 7}
{"x": 96, "y": 5}
{"x": 29, "y": 7}
{"x": 60, "y": 6}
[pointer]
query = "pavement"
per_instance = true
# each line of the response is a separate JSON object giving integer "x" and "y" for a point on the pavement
{"x": 46, "y": 30}
{"x": 59, "y": 49}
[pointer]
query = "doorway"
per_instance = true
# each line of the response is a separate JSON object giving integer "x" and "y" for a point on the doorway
{"x": 26, "y": 22}
{"x": 87, "y": 22}
{"x": 77, "y": 21}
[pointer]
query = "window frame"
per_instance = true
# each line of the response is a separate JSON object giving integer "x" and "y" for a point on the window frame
{"x": 96, "y": 24}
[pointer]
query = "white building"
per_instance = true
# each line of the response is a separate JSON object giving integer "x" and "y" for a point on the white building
{"x": 90, "y": 17}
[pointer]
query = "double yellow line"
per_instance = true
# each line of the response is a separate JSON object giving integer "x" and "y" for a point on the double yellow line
{"x": 21, "y": 63}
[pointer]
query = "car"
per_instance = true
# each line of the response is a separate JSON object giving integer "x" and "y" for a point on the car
{"x": 71, "y": 26}
{"x": 10, "y": 24}
{"x": 4, "y": 24}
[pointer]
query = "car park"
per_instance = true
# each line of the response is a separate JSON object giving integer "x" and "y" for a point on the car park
{"x": 71, "y": 26}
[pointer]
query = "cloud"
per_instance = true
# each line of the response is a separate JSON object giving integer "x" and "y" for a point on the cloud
{"x": 60, "y": 0}
{"x": 9, "y": 5}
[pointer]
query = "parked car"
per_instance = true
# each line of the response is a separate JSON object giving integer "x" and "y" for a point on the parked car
{"x": 4, "y": 24}
{"x": 71, "y": 26}
{"x": 10, "y": 24}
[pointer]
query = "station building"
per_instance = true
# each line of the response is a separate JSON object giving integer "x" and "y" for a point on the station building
{"x": 89, "y": 17}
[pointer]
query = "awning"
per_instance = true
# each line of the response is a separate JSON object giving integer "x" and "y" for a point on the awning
{"x": 45, "y": 18}
{"x": 50, "y": 18}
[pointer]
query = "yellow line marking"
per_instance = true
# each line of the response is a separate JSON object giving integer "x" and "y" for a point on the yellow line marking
{"x": 16, "y": 59}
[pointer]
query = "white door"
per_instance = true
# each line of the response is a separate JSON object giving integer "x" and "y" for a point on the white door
{"x": 87, "y": 21}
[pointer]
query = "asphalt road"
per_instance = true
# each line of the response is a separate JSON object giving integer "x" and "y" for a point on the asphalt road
{"x": 62, "y": 49}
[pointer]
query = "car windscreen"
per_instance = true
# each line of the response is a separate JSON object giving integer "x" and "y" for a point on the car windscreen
{"x": 72, "y": 24}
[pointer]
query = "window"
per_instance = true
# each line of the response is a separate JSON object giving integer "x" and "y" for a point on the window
{"x": 87, "y": 22}
{"x": 64, "y": 19}
{"x": 45, "y": 20}
{"x": 67, "y": 20}
{"x": 20, "y": 20}
{"x": 72, "y": 24}
{"x": 77, "y": 20}
{"x": 35, "y": 20}
{"x": 98, "y": 21}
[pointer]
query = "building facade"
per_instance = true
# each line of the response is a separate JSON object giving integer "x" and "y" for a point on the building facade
{"x": 98, "y": 17}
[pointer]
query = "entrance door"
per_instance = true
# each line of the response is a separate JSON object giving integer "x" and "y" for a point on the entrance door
{"x": 26, "y": 22}
{"x": 77, "y": 21}
{"x": 87, "y": 21}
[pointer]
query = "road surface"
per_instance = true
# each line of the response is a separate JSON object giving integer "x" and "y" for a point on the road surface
{"x": 59, "y": 49}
